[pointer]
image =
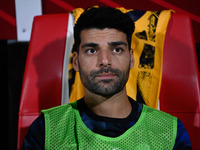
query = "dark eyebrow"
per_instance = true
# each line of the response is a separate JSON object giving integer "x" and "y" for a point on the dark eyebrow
{"x": 90, "y": 45}
{"x": 117, "y": 43}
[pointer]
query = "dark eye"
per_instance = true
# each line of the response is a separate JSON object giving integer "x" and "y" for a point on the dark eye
{"x": 117, "y": 50}
{"x": 91, "y": 51}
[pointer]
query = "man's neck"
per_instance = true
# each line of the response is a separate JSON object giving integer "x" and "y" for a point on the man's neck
{"x": 116, "y": 106}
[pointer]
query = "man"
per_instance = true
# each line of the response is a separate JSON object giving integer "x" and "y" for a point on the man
{"x": 106, "y": 118}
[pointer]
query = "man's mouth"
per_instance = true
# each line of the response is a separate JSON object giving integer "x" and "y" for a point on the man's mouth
{"x": 106, "y": 76}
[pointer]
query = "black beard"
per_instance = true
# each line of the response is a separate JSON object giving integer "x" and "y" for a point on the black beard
{"x": 105, "y": 87}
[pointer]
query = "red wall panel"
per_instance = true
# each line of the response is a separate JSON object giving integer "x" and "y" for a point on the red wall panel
{"x": 8, "y": 21}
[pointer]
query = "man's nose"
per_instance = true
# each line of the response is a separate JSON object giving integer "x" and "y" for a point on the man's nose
{"x": 104, "y": 59}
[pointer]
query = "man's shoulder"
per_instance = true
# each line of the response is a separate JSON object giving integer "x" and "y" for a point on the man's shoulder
{"x": 59, "y": 108}
{"x": 153, "y": 111}
{"x": 60, "y": 112}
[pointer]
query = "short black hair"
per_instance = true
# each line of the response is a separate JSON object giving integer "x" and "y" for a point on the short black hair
{"x": 101, "y": 18}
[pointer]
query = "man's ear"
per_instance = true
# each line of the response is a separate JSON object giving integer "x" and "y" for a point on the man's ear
{"x": 75, "y": 61}
{"x": 132, "y": 59}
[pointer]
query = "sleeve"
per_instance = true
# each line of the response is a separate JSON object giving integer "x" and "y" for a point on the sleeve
{"x": 182, "y": 138}
{"x": 35, "y": 137}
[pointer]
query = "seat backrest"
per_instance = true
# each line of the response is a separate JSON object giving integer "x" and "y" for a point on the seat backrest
{"x": 180, "y": 91}
{"x": 43, "y": 77}
{"x": 45, "y": 66}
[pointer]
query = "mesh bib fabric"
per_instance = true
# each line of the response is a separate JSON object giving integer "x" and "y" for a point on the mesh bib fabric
{"x": 64, "y": 129}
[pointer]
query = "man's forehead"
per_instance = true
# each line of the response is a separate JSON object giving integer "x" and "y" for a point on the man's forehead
{"x": 106, "y": 35}
{"x": 112, "y": 44}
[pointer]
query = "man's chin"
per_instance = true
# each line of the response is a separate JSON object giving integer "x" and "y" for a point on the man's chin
{"x": 106, "y": 81}
{"x": 105, "y": 89}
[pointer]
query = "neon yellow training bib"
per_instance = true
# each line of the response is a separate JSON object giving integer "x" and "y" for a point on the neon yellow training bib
{"x": 64, "y": 129}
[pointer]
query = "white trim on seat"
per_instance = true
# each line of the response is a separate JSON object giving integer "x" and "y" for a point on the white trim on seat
{"x": 68, "y": 48}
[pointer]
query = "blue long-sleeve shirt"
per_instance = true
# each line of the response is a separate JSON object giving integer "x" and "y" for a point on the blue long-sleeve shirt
{"x": 111, "y": 127}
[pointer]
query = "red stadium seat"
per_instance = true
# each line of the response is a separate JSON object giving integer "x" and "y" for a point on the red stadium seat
{"x": 42, "y": 82}
{"x": 180, "y": 91}
{"x": 43, "y": 79}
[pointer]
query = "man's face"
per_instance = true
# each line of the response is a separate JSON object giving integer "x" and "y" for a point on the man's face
{"x": 104, "y": 61}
